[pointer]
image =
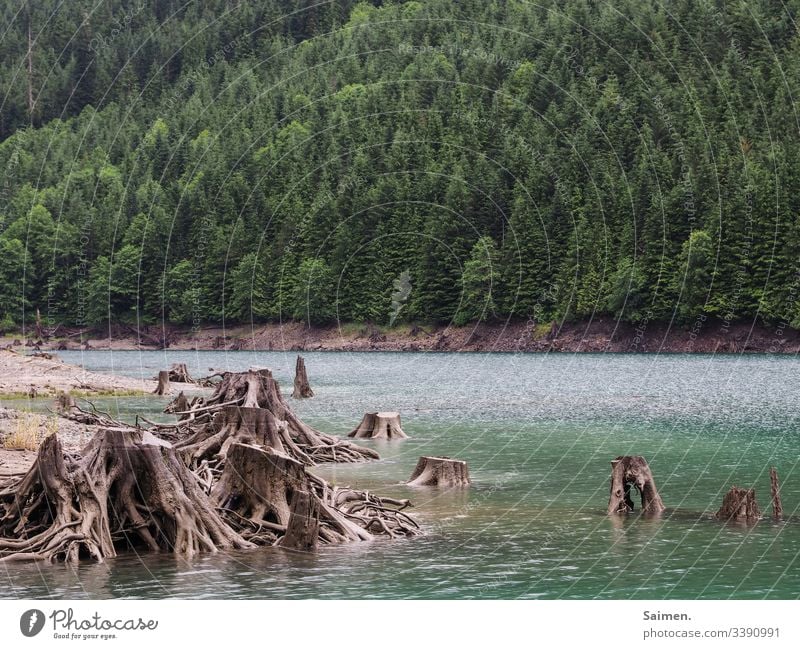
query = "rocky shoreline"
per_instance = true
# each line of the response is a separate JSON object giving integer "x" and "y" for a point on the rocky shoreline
{"x": 598, "y": 335}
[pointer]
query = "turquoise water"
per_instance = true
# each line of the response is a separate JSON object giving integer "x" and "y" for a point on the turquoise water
{"x": 538, "y": 432}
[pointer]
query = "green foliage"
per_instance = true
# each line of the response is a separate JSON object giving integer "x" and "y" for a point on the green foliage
{"x": 211, "y": 162}
{"x": 479, "y": 279}
{"x": 312, "y": 293}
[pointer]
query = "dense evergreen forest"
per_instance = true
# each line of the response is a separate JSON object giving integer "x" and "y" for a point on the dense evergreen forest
{"x": 208, "y": 161}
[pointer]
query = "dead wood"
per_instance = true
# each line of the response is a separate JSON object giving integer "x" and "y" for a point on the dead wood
{"x": 379, "y": 425}
{"x": 302, "y": 389}
{"x": 179, "y": 373}
{"x": 258, "y": 389}
{"x": 440, "y": 472}
{"x": 739, "y": 505}
{"x": 628, "y": 472}
{"x": 256, "y": 493}
{"x": 163, "y": 383}
{"x": 127, "y": 490}
{"x": 777, "y": 506}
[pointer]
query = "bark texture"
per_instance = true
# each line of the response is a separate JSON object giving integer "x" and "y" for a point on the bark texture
{"x": 440, "y": 472}
{"x": 775, "y": 488}
{"x": 127, "y": 490}
{"x": 163, "y": 383}
{"x": 379, "y": 425}
{"x": 302, "y": 388}
{"x": 739, "y": 505}
{"x": 629, "y": 472}
{"x": 257, "y": 389}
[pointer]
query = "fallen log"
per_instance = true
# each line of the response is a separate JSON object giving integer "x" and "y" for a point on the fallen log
{"x": 302, "y": 389}
{"x": 379, "y": 425}
{"x": 739, "y": 505}
{"x": 163, "y": 383}
{"x": 629, "y": 472}
{"x": 440, "y": 472}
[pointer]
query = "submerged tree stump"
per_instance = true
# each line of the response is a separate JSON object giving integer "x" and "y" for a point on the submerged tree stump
{"x": 628, "y": 472}
{"x": 440, "y": 472}
{"x": 128, "y": 490}
{"x": 302, "y": 532}
{"x": 777, "y": 506}
{"x": 163, "y": 383}
{"x": 379, "y": 425}
{"x": 302, "y": 389}
{"x": 739, "y": 505}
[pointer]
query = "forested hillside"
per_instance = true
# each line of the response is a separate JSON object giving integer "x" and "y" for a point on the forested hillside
{"x": 394, "y": 162}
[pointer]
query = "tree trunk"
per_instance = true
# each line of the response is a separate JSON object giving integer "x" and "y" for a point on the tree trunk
{"x": 163, "y": 383}
{"x": 739, "y": 505}
{"x": 302, "y": 389}
{"x": 379, "y": 425}
{"x": 128, "y": 490}
{"x": 440, "y": 472}
{"x": 628, "y": 472}
{"x": 302, "y": 533}
{"x": 777, "y": 506}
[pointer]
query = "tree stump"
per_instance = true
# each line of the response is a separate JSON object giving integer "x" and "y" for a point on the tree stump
{"x": 163, "y": 383}
{"x": 777, "y": 506}
{"x": 179, "y": 373}
{"x": 379, "y": 425}
{"x": 632, "y": 471}
{"x": 440, "y": 472}
{"x": 302, "y": 533}
{"x": 739, "y": 505}
{"x": 302, "y": 389}
{"x": 258, "y": 389}
{"x": 126, "y": 491}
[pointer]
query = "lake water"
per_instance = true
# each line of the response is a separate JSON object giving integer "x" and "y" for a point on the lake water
{"x": 538, "y": 432}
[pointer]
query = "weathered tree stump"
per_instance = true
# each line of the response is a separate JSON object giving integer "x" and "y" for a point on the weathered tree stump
{"x": 163, "y": 383}
{"x": 379, "y": 425}
{"x": 179, "y": 373}
{"x": 178, "y": 405}
{"x": 128, "y": 490}
{"x": 440, "y": 472}
{"x": 739, "y": 505}
{"x": 258, "y": 389}
{"x": 632, "y": 471}
{"x": 302, "y": 389}
{"x": 302, "y": 532}
{"x": 258, "y": 488}
{"x": 777, "y": 506}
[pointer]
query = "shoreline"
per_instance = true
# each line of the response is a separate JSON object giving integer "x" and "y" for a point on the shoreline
{"x": 598, "y": 335}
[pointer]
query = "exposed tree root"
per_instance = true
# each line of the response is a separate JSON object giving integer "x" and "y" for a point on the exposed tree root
{"x": 127, "y": 490}
{"x": 219, "y": 416}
